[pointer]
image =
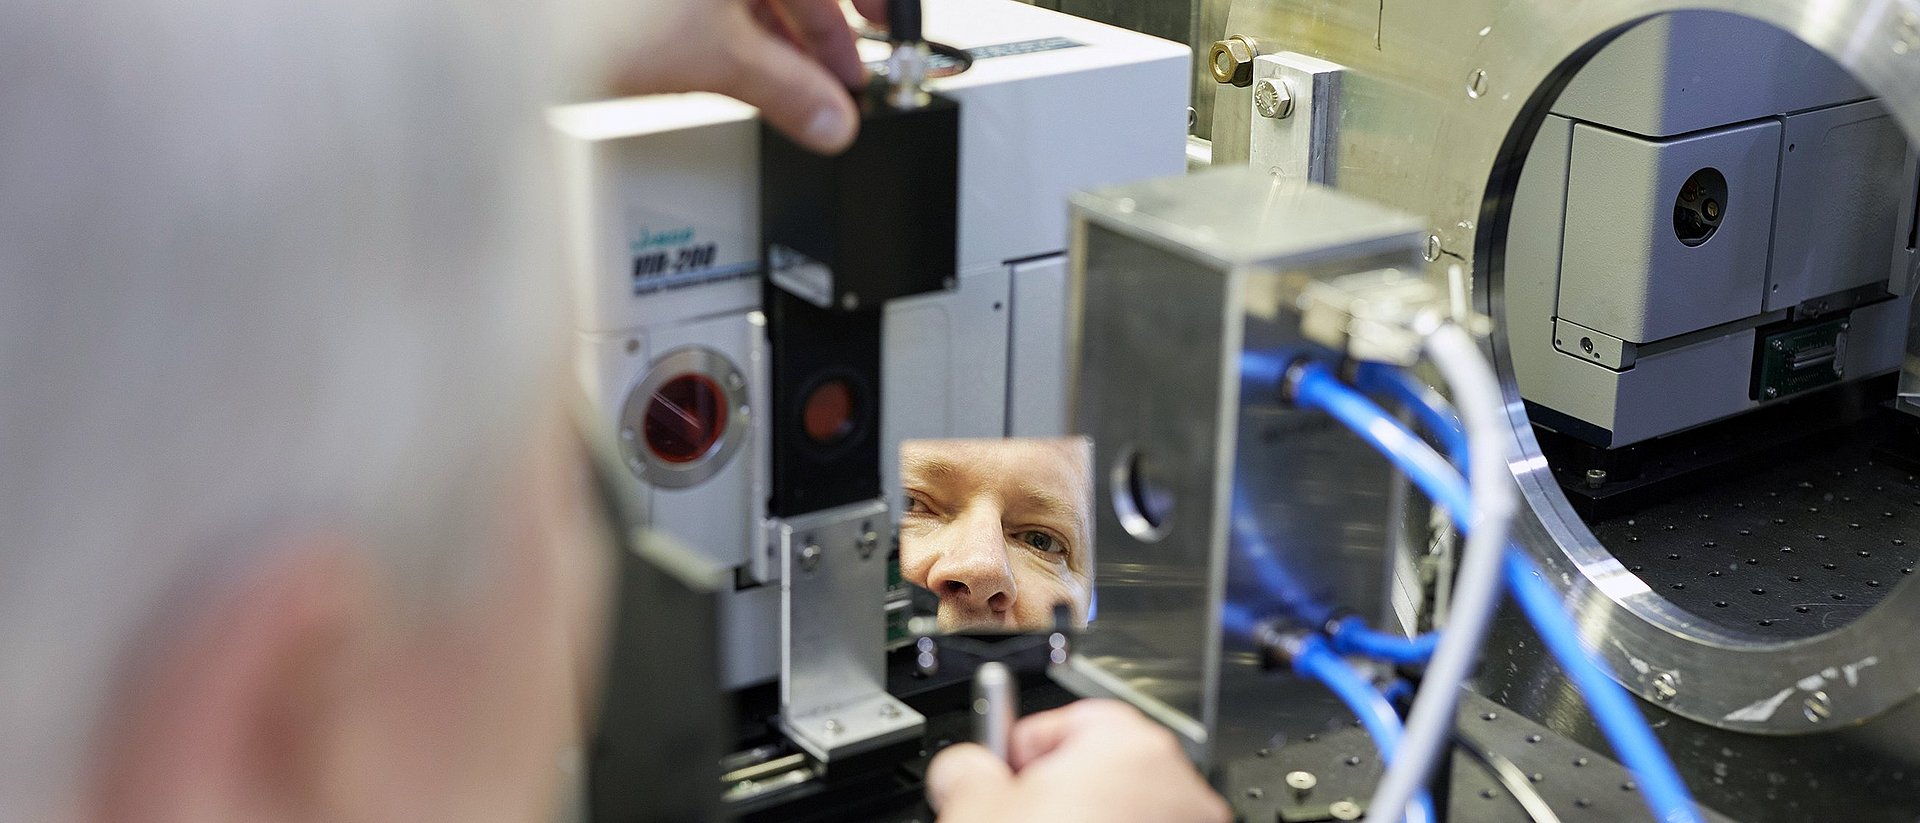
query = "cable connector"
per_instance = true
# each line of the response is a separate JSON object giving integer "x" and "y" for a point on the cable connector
{"x": 907, "y": 65}
{"x": 1382, "y": 315}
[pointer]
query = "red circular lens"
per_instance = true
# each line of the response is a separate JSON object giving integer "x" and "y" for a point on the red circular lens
{"x": 827, "y": 415}
{"x": 687, "y": 415}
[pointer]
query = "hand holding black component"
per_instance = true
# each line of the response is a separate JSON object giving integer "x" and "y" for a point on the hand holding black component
{"x": 794, "y": 59}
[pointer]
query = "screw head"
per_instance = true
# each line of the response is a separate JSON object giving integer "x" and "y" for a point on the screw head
{"x": 1273, "y": 99}
{"x": 1665, "y": 687}
{"x": 1817, "y": 708}
{"x": 1302, "y": 782}
{"x": 1477, "y": 83}
{"x": 1596, "y": 478}
{"x": 1432, "y": 251}
{"x": 1344, "y": 810}
{"x": 809, "y": 557}
{"x": 831, "y": 726}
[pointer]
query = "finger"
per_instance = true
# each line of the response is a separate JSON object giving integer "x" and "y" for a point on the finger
{"x": 875, "y": 10}
{"x": 794, "y": 94}
{"x": 773, "y": 17}
{"x": 1038, "y": 735}
{"x": 965, "y": 770}
{"x": 823, "y": 28}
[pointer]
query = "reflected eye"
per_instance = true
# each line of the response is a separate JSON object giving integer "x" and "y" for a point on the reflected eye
{"x": 1043, "y": 542}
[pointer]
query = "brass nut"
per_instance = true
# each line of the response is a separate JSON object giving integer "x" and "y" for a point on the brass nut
{"x": 1232, "y": 61}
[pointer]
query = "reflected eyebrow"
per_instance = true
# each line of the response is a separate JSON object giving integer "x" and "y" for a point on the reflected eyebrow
{"x": 1047, "y": 502}
{"x": 929, "y": 469}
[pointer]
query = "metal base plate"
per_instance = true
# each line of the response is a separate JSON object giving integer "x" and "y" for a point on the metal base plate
{"x": 1792, "y": 551}
{"x": 862, "y": 725}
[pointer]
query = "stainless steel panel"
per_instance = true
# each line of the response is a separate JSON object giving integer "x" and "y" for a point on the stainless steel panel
{"x": 1438, "y": 114}
{"x": 1158, "y": 381}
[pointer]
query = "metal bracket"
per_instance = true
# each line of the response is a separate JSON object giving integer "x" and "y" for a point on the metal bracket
{"x": 1294, "y": 127}
{"x": 1592, "y": 346}
{"x": 833, "y": 696}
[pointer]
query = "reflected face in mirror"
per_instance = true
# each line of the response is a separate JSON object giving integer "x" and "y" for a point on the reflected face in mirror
{"x": 1001, "y": 530}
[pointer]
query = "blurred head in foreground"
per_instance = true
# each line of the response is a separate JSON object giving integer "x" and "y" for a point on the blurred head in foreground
{"x": 290, "y": 507}
{"x": 1000, "y": 529}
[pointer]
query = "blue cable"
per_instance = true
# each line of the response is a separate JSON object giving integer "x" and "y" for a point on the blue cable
{"x": 1435, "y": 414}
{"x": 1317, "y": 662}
{"x": 1613, "y": 711}
{"x": 1351, "y": 635}
{"x": 1624, "y": 726}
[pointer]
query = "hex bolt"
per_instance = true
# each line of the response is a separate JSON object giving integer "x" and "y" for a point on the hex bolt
{"x": 1273, "y": 99}
{"x": 809, "y": 557}
{"x": 1818, "y": 708}
{"x": 1665, "y": 687}
{"x": 1301, "y": 783}
{"x": 1596, "y": 478}
{"x": 1231, "y": 61}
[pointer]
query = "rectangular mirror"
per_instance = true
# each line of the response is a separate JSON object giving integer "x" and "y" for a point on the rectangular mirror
{"x": 996, "y": 534}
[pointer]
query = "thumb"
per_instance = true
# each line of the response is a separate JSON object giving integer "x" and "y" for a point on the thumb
{"x": 965, "y": 770}
{"x": 795, "y": 94}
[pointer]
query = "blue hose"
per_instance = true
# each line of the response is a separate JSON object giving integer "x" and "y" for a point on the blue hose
{"x": 1351, "y": 635}
{"x": 1238, "y": 621}
{"x": 1317, "y": 662}
{"x": 1625, "y": 729}
{"x": 1612, "y": 709}
{"x": 1435, "y": 414}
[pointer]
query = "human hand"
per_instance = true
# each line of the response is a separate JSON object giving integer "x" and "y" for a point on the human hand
{"x": 1092, "y": 760}
{"x": 794, "y": 59}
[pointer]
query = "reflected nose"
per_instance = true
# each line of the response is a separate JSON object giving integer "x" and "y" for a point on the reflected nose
{"x": 972, "y": 569}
